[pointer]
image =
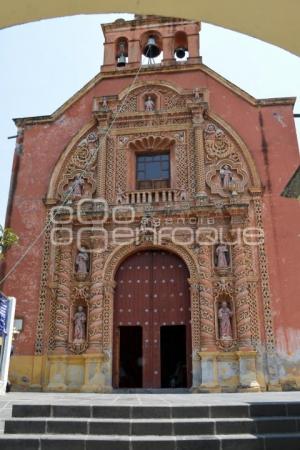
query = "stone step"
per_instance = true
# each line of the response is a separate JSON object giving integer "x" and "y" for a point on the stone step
{"x": 211, "y": 411}
{"x": 197, "y": 442}
{"x": 172, "y": 426}
{"x": 130, "y": 412}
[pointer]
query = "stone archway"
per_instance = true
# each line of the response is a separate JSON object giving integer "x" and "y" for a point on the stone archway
{"x": 152, "y": 318}
{"x": 109, "y": 272}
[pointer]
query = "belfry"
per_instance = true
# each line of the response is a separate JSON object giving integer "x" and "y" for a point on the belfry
{"x": 167, "y": 258}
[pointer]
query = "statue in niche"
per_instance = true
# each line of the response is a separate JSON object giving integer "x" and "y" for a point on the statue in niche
{"x": 224, "y": 316}
{"x": 149, "y": 104}
{"x": 82, "y": 262}
{"x": 222, "y": 256}
{"x": 79, "y": 325}
{"x": 105, "y": 104}
{"x": 196, "y": 94}
{"x": 120, "y": 196}
{"x": 182, "y": 193}
{"x": 226, "y": 177}
{"x": 76, "y": 189}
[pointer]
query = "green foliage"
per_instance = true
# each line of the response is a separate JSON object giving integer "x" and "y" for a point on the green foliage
{"x": 7, "y": 239}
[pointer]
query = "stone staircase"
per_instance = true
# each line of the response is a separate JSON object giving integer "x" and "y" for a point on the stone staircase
{"x": 256, "y": 426}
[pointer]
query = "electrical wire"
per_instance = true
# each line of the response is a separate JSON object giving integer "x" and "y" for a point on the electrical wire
{"x": 83, "y": 172}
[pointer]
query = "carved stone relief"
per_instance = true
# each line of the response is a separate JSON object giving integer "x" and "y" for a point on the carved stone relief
{"x": 84, "y": 288}
{"x": 226, "y": 178}
{"x": 78, "y": 177}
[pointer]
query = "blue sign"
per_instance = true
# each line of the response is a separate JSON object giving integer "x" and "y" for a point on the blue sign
{"x": 3, "y": 314}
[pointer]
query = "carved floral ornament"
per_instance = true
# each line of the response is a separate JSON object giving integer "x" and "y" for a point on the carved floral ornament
{"x": 217, "y": 143}
{"x": 78, "y": 178}
{"x": 149, "y": 97}
{"x": 230, "y": 166}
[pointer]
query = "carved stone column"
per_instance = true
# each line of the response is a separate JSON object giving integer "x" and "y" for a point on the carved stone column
{"x": 107, "y": 327}
{"x": 241, "y": 298}
{"x": 198, "y": 124}
{"x": 108, "y": 304}
{"x": 94, "y": 375}
{"x": 272, "y": 358}
{"x": 63, "y": 295}
{"x": 57, "y": 373}
{"x": 207, "y": 320}
{"x": 96, "y": 301}
{"x": 195, "y": 319}
{"x": 101, "y": 163}
{"x": 247, "y": 370}
{"x": 209, "y": 368}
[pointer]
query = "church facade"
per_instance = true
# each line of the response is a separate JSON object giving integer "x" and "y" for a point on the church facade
{"x": 168, "y": 258}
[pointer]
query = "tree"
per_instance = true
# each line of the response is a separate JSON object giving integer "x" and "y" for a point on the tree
{"x": 7, "y": 239}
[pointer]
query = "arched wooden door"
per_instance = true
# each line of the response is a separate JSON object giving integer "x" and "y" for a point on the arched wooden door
{"x": 152, "y": 322}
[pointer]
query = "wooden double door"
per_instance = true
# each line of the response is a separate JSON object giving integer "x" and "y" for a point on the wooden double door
{"x": 152, "y": 322}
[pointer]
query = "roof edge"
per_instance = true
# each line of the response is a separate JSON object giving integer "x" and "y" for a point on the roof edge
{"x": 22, "y": 121}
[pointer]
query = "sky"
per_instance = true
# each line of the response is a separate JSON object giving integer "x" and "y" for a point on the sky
{"x": 45, "y": 63}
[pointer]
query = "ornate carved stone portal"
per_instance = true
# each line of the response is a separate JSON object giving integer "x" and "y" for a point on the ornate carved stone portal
{"x": 200, "y": 215}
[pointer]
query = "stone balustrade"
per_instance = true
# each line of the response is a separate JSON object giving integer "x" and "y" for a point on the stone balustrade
{"x": 150, "y": 196}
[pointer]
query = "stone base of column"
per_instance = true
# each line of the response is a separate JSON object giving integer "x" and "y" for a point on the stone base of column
{"x": 247, "y": 369}
{"x": 249, "y": 389}
{"x": 207, "y": 389}
{"x": 194, "y": 60}
{"x": 274, "y": 383}
{"x": 95, "y": 379}
{"x": 35, "y": 388}
{"x": 56, "y": 387}
{"x": 209, "y": 369}
{"x": 57, "y": 374}
{"x": 274, "y": 387}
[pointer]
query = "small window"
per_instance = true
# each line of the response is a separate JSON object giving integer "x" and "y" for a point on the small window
{"x": 153, "y": 171}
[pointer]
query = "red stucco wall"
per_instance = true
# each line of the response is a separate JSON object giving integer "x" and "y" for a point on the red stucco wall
{"x": 272, "y": 145}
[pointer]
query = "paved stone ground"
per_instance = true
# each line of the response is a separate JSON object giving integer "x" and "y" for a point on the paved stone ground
{"x": 139, "y": 399}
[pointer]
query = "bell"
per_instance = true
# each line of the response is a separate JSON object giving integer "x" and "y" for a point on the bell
{"x": 180, "y": 52}
{"x": 121, "y": 61}
{"x": 151, "y": 49}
